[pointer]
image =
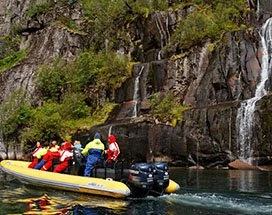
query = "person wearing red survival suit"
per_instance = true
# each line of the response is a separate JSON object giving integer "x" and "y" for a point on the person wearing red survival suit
{"x": 113, "y": 151}
{"x": 47, "y": 160}
{"x": 66, "y": 155}
{"x": 35, "y": 155}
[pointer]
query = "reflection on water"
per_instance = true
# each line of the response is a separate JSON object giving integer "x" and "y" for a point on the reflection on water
{"x": 244, "y": 181}
{"x": 205, "y": 192}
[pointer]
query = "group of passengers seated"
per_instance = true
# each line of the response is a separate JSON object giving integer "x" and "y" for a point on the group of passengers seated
{"x": 44, "y": 156}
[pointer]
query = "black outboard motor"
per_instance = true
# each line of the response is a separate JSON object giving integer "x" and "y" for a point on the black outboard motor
{"x": 140, "y": 179}
{"x": 161, "y": 177}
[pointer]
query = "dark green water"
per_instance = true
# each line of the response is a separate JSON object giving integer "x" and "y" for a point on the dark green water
{"x": 204, "y": 192}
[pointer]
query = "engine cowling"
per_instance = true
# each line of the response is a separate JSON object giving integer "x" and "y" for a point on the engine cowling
{"x": 160, "y": 177}
{"x": 140, "y": 179}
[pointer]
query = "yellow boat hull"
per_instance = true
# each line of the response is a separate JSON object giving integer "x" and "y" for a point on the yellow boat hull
{"x": 74, "y": 183}
{"x": 81, "y": 184}
{"x": 172, "y": 187}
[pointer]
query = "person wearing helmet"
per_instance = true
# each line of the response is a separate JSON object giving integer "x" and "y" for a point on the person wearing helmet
{"x": 65, "y": 155}
{"x": 94, "y": 151}
{"x": 113, "y": 151}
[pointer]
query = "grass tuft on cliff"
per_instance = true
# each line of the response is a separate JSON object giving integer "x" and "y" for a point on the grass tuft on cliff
{"x": 12, "y": 60}
{"x": 166, "y": 107}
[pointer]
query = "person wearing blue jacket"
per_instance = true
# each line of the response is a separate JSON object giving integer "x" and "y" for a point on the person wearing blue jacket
{"x": 94, "y": 151}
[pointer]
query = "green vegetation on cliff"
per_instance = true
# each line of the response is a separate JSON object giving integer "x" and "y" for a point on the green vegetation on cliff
{"x": 15, "y": 113}
{"x": 205, "y": 19}
{"x": 209, "y": 20}
{"x": 9, "y": 45}
{"x": 90, "y": 72}
{"x": 61, "y": 120}
{"x": 12, "y": 60}
{"x": 69, "y": 93}
{"x": 39, "y": 7}
{"x": 70, "y": 90}
{"x": 108, "y": 21}
{"x": 167, "y": 107}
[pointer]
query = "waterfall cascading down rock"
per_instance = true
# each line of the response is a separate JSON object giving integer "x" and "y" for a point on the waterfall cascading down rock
{"x": 245, "y": 114}
{"x": 136, "y": 95}
{"x": 133, "y": 93}
{"x": 163, "y": 30}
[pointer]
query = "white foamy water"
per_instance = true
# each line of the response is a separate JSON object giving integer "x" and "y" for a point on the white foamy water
{"x": 222, "y": 202}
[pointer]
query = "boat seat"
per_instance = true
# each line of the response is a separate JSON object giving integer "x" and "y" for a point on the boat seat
{"x": 114, "y": 170}
{"x": 100, "y": 164}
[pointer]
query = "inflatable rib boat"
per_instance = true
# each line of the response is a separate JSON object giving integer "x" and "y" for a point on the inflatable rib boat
{"x": 141, "y": 179}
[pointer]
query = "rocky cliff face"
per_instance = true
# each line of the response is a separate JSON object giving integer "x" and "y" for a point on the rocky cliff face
{"x": 213, "y": 83}
{"x": 44, "y": 38}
